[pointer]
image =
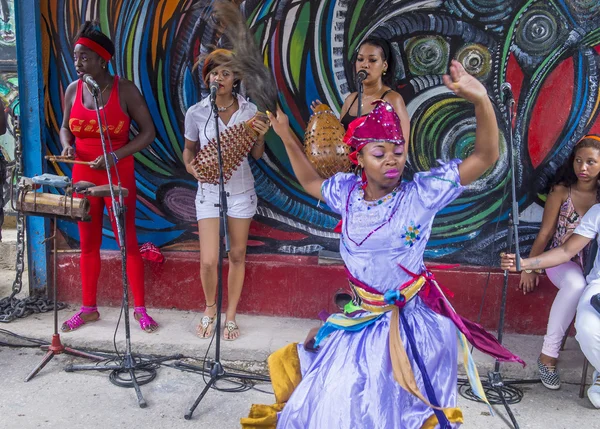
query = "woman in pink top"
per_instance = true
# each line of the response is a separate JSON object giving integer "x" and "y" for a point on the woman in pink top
{"x": 574, "y": 192}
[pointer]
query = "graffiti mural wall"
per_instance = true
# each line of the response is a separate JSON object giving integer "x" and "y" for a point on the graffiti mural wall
{"x": 547, "y": 50}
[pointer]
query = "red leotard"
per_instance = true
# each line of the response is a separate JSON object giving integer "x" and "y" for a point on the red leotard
{"x": 83, "y": 124}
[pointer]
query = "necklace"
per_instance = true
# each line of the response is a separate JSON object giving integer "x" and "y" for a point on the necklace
{"x": 101, "y": 92}
{"x": 380, "y": 201}
{"x": 346, "y": 221}
{"x": 222, "y": 109}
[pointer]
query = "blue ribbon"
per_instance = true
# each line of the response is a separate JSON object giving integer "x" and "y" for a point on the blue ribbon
{"x": 442, "y": 419}
{"x": 394, "y": 297}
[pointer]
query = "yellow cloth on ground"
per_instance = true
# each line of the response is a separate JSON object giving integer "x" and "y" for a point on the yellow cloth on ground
{"x": 284, "y": 369}
{"x": 454, "y": 416}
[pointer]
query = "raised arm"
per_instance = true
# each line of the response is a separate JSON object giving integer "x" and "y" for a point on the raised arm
{"x": 551, "y": 258}
{"x": 486, "y": 151}
{"x": 304, "y": 170}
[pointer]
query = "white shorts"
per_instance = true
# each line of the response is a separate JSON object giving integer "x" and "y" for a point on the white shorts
{"x": 241, "y": 206}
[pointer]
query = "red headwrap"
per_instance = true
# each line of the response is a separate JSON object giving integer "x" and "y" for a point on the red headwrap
{"x": 94, "y": 46}
{"x": 381, "y": 125}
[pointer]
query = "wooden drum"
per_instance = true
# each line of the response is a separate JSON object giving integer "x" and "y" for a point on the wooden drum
{"x": 41, "y": 203}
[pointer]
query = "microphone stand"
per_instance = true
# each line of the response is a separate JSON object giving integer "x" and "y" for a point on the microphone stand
{"x": 125, "y": 366}
{"x": 497, "y": 390}
{"x": 216, "y": 370}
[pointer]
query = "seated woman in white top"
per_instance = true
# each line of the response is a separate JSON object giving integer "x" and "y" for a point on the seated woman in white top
{"x": 587, "y": 321}
{"x": 241, "y": 197}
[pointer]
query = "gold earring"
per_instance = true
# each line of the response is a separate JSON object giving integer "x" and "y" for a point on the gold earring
{"x": 384, "y": 72}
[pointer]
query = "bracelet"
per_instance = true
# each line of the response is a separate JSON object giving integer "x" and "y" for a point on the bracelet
{"x": 115, "y": 157}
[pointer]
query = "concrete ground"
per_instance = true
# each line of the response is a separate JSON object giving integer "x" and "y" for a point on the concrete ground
{"x": 55, "y": 398}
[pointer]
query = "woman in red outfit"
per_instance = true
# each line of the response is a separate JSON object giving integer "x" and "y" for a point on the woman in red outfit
{"x": 122, "y": 102}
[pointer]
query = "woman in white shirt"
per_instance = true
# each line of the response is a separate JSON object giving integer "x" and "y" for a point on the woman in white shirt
{"x": 587, "y": 322}
{"x": 241, "y": 197}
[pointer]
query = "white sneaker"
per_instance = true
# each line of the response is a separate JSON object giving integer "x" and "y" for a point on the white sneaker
{"x": 594, "y": 390}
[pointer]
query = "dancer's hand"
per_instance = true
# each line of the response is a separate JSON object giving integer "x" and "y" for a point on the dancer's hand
{"x": 309, "y": 342}
{"x": 68, "y": 151}
{"x": 508, "y": 261}
{"x": 463, "y": 84}
{"x": 529, "y": 281}
{"x": 280, "y": 123}
{"x": 315, "y": 104}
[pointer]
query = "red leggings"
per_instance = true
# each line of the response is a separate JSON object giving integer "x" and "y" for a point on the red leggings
{"x": 90, "y": 233}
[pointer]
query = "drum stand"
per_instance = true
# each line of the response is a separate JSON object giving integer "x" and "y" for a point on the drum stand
{"x": 56, "y": 347}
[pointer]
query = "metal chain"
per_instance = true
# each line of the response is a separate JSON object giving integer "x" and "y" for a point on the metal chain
{"x": 17, "y": 174}
{"x": 11, "y": 307}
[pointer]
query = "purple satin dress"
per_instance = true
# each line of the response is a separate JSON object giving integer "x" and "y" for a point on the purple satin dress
{"x": 349, "y": 382}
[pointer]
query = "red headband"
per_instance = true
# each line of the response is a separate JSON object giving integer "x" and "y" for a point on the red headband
{"x": 89, "y": 43}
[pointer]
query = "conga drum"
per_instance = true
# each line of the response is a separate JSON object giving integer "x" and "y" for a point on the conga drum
{"x": 43, "y": 203}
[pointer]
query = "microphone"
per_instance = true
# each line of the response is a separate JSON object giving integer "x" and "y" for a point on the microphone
{"x": 91, "y": 82}
{"x": 361, "y": 75}
{"x": 214, "y": 87}
{"x": 506, "y": 91}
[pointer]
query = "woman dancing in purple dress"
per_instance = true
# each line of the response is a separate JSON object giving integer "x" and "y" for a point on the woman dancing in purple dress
{"x": 390, "y": 360}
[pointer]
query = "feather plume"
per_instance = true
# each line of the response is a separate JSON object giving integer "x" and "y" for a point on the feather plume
{"x": 247, "y": 62}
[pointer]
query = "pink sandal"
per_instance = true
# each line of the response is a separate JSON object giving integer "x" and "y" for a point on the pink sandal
{"x": 76, "y": 321}
{"x": 147, "y": 323}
